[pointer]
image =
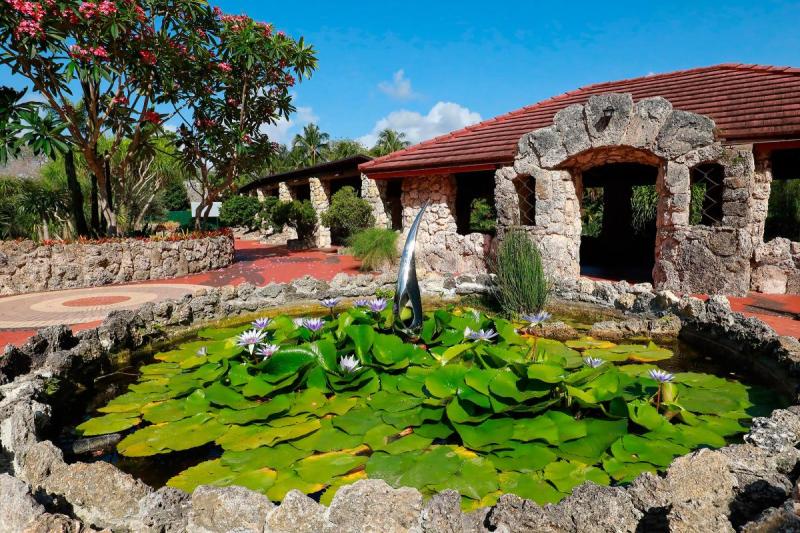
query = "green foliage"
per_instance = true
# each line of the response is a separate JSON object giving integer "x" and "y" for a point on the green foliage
{"x": 389, "y": 141}
{"x": 347, "y": 215}
{"x": 375, "y": 247}
{"x": 592, "y": 212}
{"x": 311, "y": 145}
{"x": 521, "y": 285}
{"x": 783, "y": 216}
{"x": 343, "y": 148}
{"x": 482, "y": 216}
{"x": 240, "y": 211}
{"x": 644, "y": 205}
{"x": 175, "y": 197}
{"x": 296, "y": 214}
{"x": 514, "y": 414}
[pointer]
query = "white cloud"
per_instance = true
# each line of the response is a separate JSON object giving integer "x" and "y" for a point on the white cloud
{"x": 399, "y": 88}
{"x": 443, "y": 117}
{"x": 284, "y": 129}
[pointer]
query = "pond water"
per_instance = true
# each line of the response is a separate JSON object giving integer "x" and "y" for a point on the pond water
{"x": 479, "y": 404}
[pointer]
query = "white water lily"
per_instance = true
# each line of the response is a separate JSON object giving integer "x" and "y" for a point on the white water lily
{"x": 349, "y": 364}
{"x": 250, "y": 339}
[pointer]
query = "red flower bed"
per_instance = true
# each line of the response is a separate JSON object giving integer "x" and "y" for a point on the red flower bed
{"x": 174, "y": 237}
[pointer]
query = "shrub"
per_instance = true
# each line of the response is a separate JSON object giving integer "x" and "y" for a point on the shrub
{"x": 240, "y": 211}
{"x": 267, "y": 208}
{"x": 175, "y": 197}
{"x": 375, "y": 247}
{"x": 347, "y": 215}
{"x": 296, "y": 214}
{"x": 521, "y": 285}
{"x": 482, "y": 216}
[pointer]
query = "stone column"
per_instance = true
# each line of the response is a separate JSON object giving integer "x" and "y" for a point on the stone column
{"x": 374, "y": 192}
{"x": 759, "y": 200}
{"x": 284, "y": 192}
{"x": 260, "y": 194}
{"x": 320, "y": 202}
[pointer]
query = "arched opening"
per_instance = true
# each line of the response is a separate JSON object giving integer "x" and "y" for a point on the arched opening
{"x": 618, "y": 215}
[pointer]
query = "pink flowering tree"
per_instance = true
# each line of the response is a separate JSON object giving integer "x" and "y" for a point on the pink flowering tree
{"x": 243, "y": 89}
{"x": 124, "y": 60}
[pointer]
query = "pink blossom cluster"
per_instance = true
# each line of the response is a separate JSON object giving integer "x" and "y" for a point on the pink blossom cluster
{"x": 120, "y": 100}
{"x": 32, "y": 25}
{"x": 151, "y": 116}
{"x": 148, "y": 57}
{"x": 204, "y": 123}
{"x": 104, "y": 8}
{"x": 88, "y": 53}
{"x": 236, "y": 22}
{"x": 224, "y": 67}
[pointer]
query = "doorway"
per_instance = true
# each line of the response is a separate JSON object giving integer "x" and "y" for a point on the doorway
{"x": 618, "y": 219}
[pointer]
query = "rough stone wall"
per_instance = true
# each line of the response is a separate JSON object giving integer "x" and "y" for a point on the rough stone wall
{"x": 776, "y": 267}
{"x": 320, "y": 201}
{"x": 557, "y": 230}
{"x": 439, "y": 246}
{"x": 29, "y": 267}
{"x": 374, "y": 192}
{"x": 688, "y": 258}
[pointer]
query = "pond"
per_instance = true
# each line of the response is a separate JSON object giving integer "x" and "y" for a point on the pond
{"x": 477, "y": 403}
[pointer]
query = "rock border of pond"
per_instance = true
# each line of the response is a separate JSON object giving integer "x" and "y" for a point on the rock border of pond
{"x": 748, "y": 487}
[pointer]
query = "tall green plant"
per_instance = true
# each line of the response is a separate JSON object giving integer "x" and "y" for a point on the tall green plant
{"x": 375, "y": 247}
{"x": 298, "y": 215}
{"x": 521, "y": 285}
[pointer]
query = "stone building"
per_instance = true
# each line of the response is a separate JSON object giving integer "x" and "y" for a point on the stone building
{"x": 700, "y": 150}
{"x": 317, "y": 184}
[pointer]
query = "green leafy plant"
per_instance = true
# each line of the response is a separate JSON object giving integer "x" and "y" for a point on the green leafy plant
{"x": 520, "y": 284}
{"x": 347, "y": 215}
{"x": 482, "y": 216}
{"x": 240, "y": 211}
{"x": 476, "y": 406}
{"x": 296, "y": 214}
{"x": 175, "y": 197}
{"x": 375, "y": 247}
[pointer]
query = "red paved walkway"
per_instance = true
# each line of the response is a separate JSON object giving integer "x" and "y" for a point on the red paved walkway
{"x": 255, "y": 263}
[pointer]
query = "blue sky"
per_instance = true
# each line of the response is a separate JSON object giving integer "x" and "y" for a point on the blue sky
{"x": 465, "y": 61}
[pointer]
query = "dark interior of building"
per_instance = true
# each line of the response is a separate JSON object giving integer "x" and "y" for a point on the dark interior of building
{"x": 783, "y": 216}
{"x": 619, "y": 234}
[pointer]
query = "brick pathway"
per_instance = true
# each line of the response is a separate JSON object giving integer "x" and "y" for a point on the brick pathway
{"x": 22, "y": 315}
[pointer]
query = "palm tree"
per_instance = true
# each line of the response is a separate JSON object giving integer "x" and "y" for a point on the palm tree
{"x": 342, "y": 148}
{"x": 390, "y": 141}
{"x": 311, "y": 144}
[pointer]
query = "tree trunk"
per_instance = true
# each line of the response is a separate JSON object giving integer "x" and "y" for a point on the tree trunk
{"x": 95, "y": 208}
{"x": 76, "y": 195}
{"x": 107, "y": 202}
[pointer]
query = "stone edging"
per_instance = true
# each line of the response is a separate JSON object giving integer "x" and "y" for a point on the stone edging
{"x": 703, "y": 491}
{"x": 29, "y": 267}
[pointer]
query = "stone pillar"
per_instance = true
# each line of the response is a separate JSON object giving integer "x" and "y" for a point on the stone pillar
{"x": 374, "y": 192}
{"x": 320, "y": 202}
{"x": 260, "y": 194}
{"x": 440, "y": 248}
{"x": 506, "y": 197}
{"x": 759, "y": 200}
{"x": 284, "y": 192}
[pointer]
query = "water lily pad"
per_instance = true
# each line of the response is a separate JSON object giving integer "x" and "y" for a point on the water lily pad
{"x": 111, "y": 423}
{"x": 523, "y": 457}
{"x": 567, "y": 475}
{"x": 278, "y": 457}
{"x": 172, "y": 436}
{"x": 206, "y": 473}
{"x": 238, "y": 438}
{"x": 327, "y": 465}
{"x": 529, "y": 486}
{"x": 553, "y": 427}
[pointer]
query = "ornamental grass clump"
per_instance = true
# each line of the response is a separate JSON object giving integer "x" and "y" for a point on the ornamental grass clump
{"x": 314, "y": 404}
{"x": 521, "y": 286}
{"x": 375, "y": 247}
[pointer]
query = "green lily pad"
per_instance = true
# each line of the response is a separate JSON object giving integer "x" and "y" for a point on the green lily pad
{"x": 111, "y": 423}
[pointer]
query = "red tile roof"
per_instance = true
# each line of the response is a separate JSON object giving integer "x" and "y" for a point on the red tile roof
{"x": 747, "y": 102}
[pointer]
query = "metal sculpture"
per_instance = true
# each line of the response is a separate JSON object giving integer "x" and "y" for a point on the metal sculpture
{"x": 407, "y": 289}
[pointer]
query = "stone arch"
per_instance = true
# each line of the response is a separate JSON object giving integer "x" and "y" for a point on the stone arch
{"x": 613, "y": 128}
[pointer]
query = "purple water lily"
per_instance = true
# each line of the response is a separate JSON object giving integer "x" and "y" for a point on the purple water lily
{"x": 313, "y": 324}
{"x": 262, "y": 323}
{"x": 329, "y": 303}
{"x": 376, "y": 305}
{"x": 267, "y": 350}
{"x": 480, "y": 335}
{"x": 250, "y": 339}
{"x": 298, "y": 322}
{"x": 361, "y": 302}
{"x": 661, "y": 376}
{"x": 537, "y": 318}
{"x": 349, "y": 364}
{"x": 593, "y": 362}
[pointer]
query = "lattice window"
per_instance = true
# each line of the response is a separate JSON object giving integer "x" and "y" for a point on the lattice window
{"x": 707, "y": 187}
{"x": 526, "y": 192}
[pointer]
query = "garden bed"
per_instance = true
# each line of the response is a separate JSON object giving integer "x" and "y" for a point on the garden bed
{"x": 705, "y": 490}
